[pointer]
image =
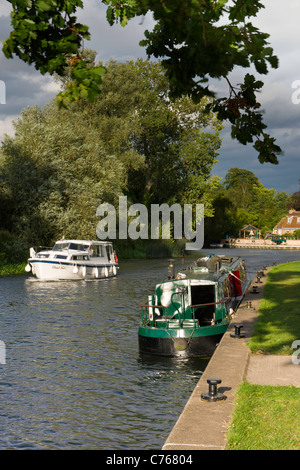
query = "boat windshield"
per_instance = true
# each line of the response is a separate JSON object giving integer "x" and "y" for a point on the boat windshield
{"x": 60, "y": 246}
{"x": 70, "y": 246}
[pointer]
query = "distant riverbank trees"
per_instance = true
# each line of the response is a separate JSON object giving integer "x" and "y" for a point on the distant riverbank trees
{"x": 241, "y": 199}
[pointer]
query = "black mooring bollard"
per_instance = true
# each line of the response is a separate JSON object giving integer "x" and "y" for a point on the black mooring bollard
{"x": 258, "y": 280}
{"x": 254, "y": 290}
{"x": 213, "y": 394}
{"x": 237, "y": 333}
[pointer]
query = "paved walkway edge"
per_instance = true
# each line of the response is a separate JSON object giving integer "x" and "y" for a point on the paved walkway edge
{"x": 203, "y": 425}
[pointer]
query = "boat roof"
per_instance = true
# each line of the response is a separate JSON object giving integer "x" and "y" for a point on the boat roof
{"x": 204, "y": 268}
{"x": 84, "y": 242}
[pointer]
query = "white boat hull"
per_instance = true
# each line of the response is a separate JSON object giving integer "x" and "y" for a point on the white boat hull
{"x": 56, "y": 270}
{"x": 74, "y": 260}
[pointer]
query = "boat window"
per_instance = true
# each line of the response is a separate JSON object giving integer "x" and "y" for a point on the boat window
{"x": 42, "y": 255}
{"x": 60, "y": 246}
{"x": 97, "y": 250}
{"x": 60, "y": 256}
{"x": 73, "y": 246}
{"x": 78, "y": 246}
{"x": 109, "y": 251}
{"x": 242, "y": 271}
{"x": 80, "y": 257}
{"x": 226, "y": 292}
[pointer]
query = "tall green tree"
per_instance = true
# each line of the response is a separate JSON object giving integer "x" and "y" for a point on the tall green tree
{"x": 253, "y": 202}
{"x": 240, "y": 184}
{"x": 54, "y": 174}
{"x": 178, "y": 139}
{"x": 295, "y": 201}
{"x": 131, "y": 140}
{"x": 224, "y": 221}
{"x": 168, "y": 148}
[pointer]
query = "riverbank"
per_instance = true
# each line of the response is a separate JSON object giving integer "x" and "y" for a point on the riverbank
{"x": 207, "y": 425}
{"x": 262, "y": 244}
{"x": 278, "y": 324}
{"x": 12, "y": 269}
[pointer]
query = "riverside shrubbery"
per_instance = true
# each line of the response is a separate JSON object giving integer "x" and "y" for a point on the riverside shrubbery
{"x": 13, "y": 254}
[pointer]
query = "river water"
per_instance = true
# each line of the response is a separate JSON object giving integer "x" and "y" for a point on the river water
{"x": 74, "y": 378}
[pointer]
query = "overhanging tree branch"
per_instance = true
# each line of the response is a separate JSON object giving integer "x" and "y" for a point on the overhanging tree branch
{"x": 189, "y": 38}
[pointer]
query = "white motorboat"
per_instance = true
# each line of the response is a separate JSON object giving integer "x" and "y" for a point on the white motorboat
{"x": 74, "y": 260}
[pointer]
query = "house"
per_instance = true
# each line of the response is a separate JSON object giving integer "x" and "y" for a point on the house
{"x": 288, "y": 224}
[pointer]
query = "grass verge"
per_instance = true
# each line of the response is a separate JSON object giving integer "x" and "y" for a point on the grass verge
{"x": 265, "y": 418}
{"x": 278, "y": 323}
{"x": 268, "y": 417}
{"x": 10, "y": 269}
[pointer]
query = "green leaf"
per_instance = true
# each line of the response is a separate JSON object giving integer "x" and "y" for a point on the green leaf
{"x": 44, "y": 5}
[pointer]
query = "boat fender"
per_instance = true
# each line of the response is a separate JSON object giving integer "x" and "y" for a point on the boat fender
{"x": 150, "y": 302}
{"x": 181, "y": 276}
{"x": 114, "y": 270}
{"x": 84, "y": 271}
{"x": 75, "y": 269}
{"x": 105, "y": 271}
{"x": 28, "y": 268}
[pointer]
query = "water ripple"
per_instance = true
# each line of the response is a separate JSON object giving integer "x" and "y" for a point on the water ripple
{"x": 73, "y": 377}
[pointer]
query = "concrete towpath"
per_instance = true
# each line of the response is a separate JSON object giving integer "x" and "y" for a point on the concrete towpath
{"x": 273, "y": 370}
{"x": 203, "y": 425}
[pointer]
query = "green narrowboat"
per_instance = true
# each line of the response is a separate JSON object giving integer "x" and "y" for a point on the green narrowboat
{"x": 189, "y": 312}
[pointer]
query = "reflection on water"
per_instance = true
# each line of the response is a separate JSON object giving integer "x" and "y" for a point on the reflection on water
{"x": 73, "y": 377}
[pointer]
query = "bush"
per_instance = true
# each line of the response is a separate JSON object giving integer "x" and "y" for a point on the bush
{"x": 149, "y": 248}
{"x": 297, "y": 234}
{"x": 12, "y": 251}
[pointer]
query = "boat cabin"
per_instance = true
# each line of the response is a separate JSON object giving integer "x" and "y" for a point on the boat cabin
{"x": 189, "y": 312}
{"x": 202, "y": 294}
{"x": 78, "y": 251}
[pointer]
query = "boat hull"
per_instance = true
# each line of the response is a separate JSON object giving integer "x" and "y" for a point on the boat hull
{"x": 184, "y": 343}
{"x": 52, "y": 271}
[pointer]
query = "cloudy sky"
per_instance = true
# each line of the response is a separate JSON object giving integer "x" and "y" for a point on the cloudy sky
{"x": 24, "y": 86}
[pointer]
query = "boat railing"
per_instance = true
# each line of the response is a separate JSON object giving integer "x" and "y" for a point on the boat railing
{"x": 196, "y": 306}
{"x": 161, "y": 318}
{"x": 42, "y": 248}
{"x": 150, "y": 315}
{"x": 223, "y": 301}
